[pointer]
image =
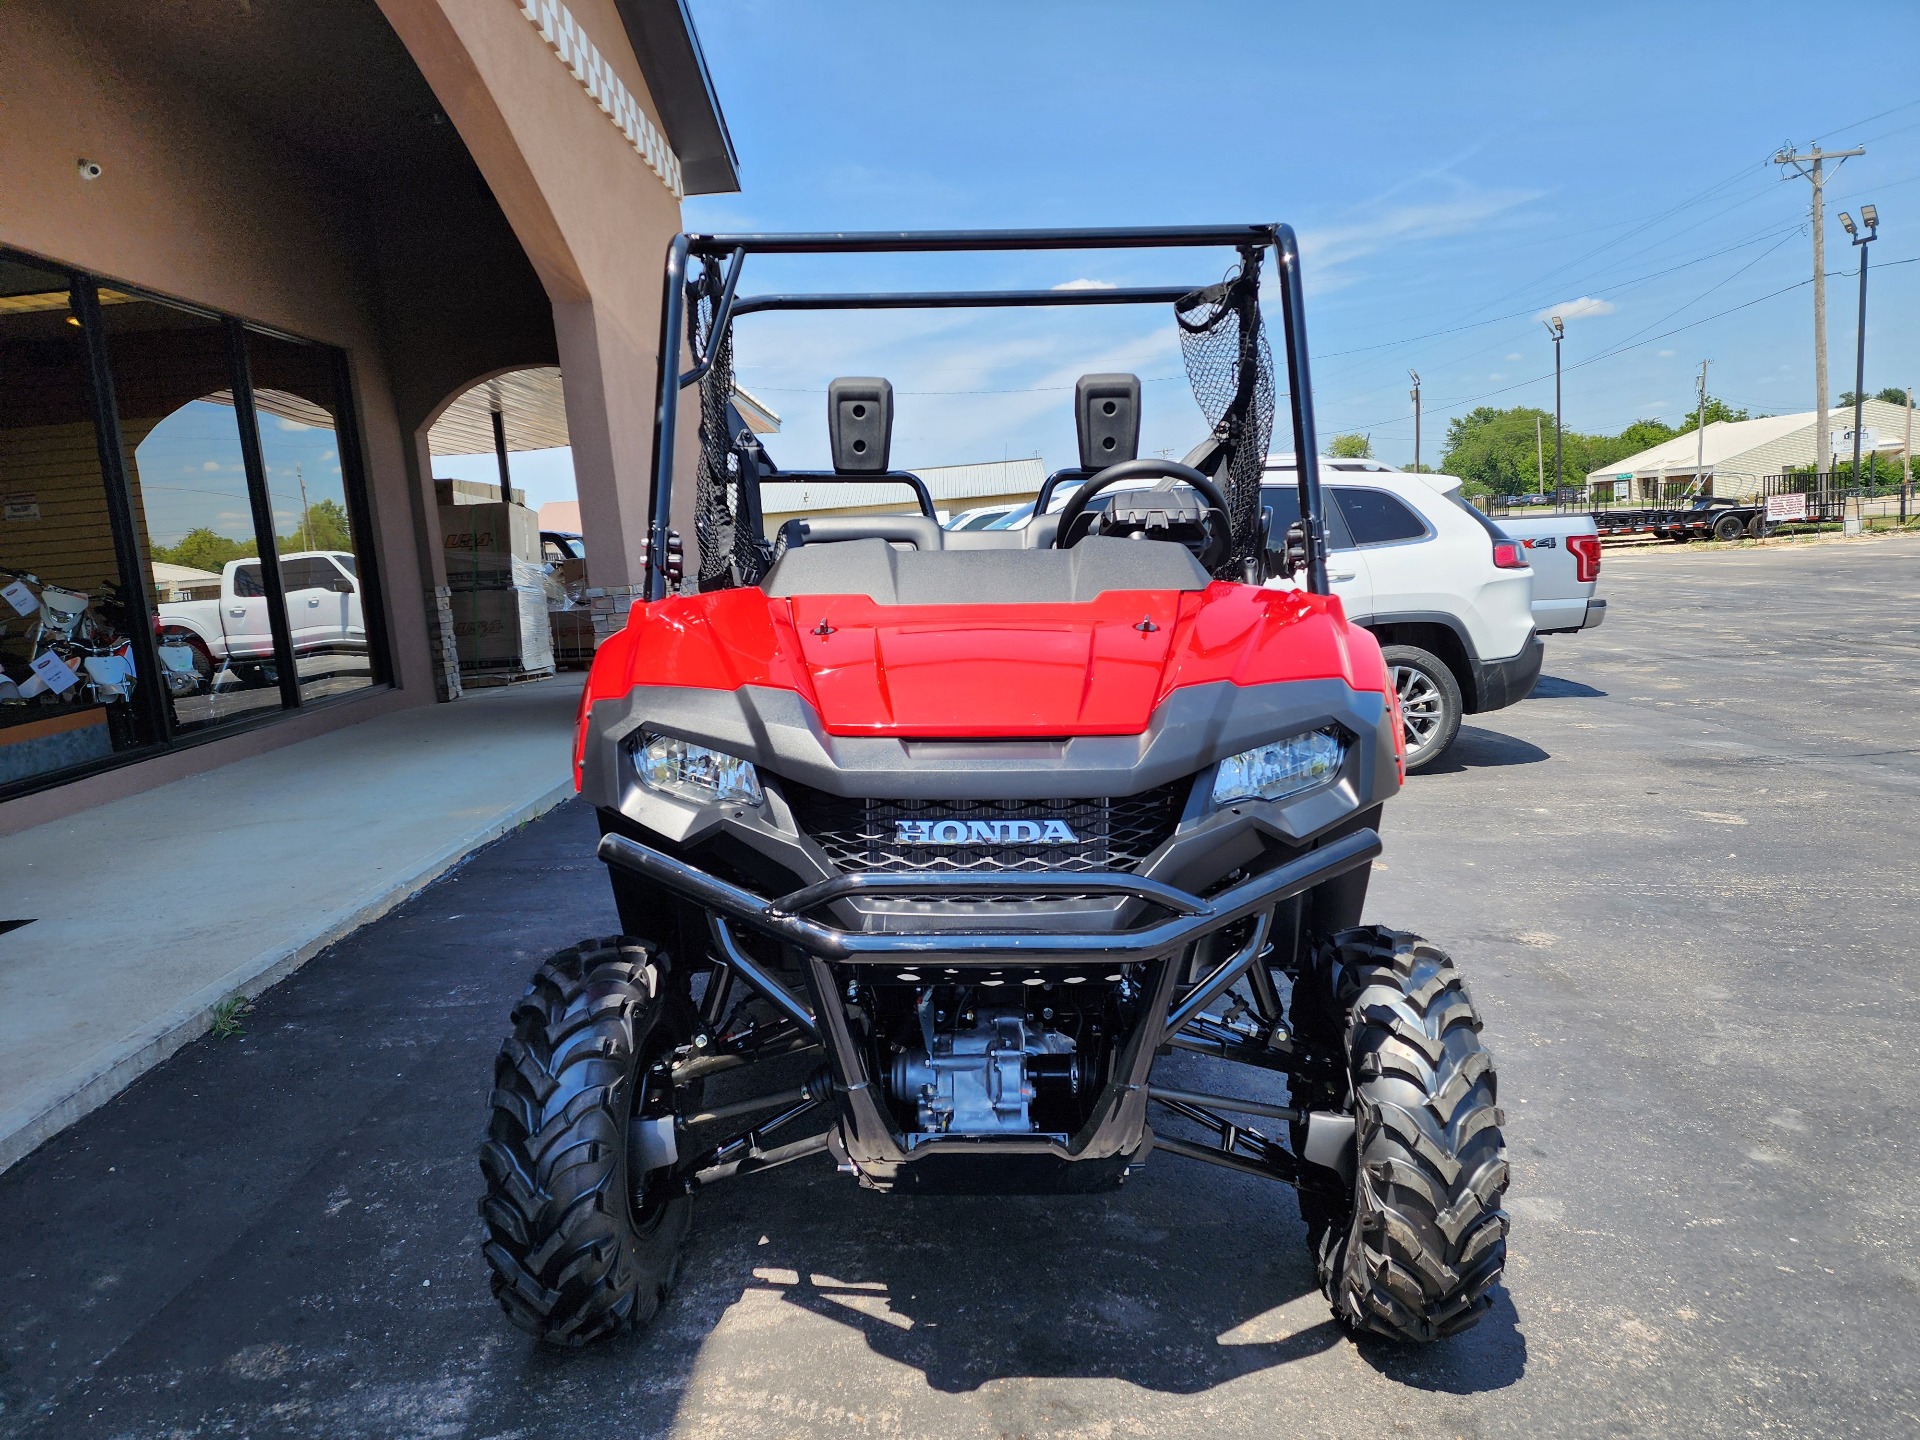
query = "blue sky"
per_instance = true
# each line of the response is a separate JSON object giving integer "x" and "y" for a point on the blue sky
{"x": 192, "y": 474}
{"x": 1454, "y": 173}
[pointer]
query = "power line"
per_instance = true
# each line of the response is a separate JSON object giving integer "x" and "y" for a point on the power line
{"x": 1454, "y": 400}
{"x": 1530, "y": 308}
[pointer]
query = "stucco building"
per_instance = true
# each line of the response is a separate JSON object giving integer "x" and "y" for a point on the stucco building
{"x": 249, "y": 255}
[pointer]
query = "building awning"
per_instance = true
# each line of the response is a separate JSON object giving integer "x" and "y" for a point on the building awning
{"x": 533, "y": 403}
{"x": 668, "y": 49}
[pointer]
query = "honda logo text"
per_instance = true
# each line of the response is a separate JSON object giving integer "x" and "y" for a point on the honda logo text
{"x": 984, "y": 832}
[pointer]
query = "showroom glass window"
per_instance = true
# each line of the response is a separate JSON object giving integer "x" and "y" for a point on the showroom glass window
{"x": 186, "y": 469}
{"x": 183, "y": 539}
{"x": 294, "y": 395}
{"x": 62, "y": 590}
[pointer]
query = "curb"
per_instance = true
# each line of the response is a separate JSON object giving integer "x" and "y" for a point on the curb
{"x": 122, "y": 1064}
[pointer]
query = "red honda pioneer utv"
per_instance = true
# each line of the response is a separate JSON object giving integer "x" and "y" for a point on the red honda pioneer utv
{"x": 947, "y": 836}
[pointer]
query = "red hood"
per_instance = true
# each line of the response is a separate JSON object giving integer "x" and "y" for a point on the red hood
{"x": 1099, "y": 668}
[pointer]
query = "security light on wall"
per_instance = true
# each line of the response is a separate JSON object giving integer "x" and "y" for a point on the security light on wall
{"x": 1846, "y": 222}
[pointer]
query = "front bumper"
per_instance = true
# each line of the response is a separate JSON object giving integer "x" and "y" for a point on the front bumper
{"x": 865, "y": 1138}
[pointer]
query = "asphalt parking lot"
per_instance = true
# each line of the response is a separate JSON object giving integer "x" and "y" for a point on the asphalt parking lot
{"x": 1680, "y": 879}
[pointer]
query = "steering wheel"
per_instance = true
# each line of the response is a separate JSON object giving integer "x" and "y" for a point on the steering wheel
{"x": 1218, "y": 545}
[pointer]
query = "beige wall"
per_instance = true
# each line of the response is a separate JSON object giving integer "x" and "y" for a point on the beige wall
{"x": 593, "y": 219}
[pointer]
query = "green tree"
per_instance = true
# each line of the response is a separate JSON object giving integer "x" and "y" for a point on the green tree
{"x": 204, "y": 549}
{"x": 1351, "y": 447}
{"x": 1717, "y": 409}
{"x": 326, "y": 528}
{"x": 1893, "y": 395}
{"x": 1644, "y": 435}
{"x": 1494, "y": 451}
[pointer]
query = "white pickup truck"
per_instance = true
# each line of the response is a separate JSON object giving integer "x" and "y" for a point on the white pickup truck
{"x": 323, "y": 612}
{"x": 1564, "y": 551}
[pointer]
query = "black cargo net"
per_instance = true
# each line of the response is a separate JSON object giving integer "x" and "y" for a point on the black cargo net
{"x": 1231, "y": 369}
{"x": 730, "y": 553}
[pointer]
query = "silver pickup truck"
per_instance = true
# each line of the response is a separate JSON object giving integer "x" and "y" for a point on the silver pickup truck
{"x": 1564, "y": 551}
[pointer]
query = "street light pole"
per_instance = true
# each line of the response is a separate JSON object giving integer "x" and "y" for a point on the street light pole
{"x": 1559, "y": 332}
{"x": 1870, "y": 217}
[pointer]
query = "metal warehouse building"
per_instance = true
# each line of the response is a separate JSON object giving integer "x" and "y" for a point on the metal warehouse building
{"x": 1733, "y": 456}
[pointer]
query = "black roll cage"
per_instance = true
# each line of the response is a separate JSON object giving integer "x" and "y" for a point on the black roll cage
{"x": 1252, "y": 241}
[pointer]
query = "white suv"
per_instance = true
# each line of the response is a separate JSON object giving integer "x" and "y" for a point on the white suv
{"x": 1445, "y": 591}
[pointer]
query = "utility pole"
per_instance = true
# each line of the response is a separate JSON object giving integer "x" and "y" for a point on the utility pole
{"x": 1559, "y": 332}
{"x": 1700, "y": 436}
{"x": 306, "y": 514}
{"x": 1812, "y": 165}
{"x": 1416, "y": 419}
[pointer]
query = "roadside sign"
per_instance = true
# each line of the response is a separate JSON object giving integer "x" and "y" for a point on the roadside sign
{"x": 1621, "y": 486}
{"x": 1792, "y": 506}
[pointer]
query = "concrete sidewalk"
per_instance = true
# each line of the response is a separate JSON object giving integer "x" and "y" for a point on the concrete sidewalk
{"x": 149, "y": 911}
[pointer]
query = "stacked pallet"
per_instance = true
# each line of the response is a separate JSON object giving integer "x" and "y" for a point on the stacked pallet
{"x": 500, "y": 593}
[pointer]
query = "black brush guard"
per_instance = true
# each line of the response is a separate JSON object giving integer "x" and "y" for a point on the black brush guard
{"x": 865, "y": 1140}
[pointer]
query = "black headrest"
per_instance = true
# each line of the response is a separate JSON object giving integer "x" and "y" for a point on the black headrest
{"x": 1106, "y": 411}
{"x": 860, "y": 424}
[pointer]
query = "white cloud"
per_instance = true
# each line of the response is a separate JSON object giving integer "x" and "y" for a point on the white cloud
{"x": 1324, "y": 252}
{"x": 211, "y": 467}
{"x": 1668, "y": 354}
{"x": 1086, "y": 285}
{"x": 1516, "y": 355}
{"x": 1583, "y": 308}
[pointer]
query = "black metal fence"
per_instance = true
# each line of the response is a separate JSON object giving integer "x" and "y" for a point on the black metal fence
{"x": 1828, "y": 492}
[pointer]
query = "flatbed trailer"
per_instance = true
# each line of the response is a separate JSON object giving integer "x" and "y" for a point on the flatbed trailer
{"x": 1714, "y": 519}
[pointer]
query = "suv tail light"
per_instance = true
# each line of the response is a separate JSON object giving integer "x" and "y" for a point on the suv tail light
{"x": 1509, "y": 555}
{"x": 1586, "y": 557}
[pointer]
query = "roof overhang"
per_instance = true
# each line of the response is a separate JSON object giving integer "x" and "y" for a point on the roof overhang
{"x": 668, "y": 49}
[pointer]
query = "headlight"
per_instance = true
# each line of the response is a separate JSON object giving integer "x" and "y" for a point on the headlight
{"x": 1286, "y": 767}
{"x": 693, "y": 772}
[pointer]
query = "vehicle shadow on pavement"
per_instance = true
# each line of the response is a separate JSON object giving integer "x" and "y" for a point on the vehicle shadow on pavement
{"x": 1477, "y": 749}
{"x": 973, "y": 1290}
{"x": 1553, "y": 687}
{"x": 1185, "y": 1280}
{"x": 1490, "y": 1356}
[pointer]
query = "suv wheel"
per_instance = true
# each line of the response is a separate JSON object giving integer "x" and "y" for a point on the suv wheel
{"x": 1430, "y": 704}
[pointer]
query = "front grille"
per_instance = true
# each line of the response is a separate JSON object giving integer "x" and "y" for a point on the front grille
{"x": 861, "y": 835}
